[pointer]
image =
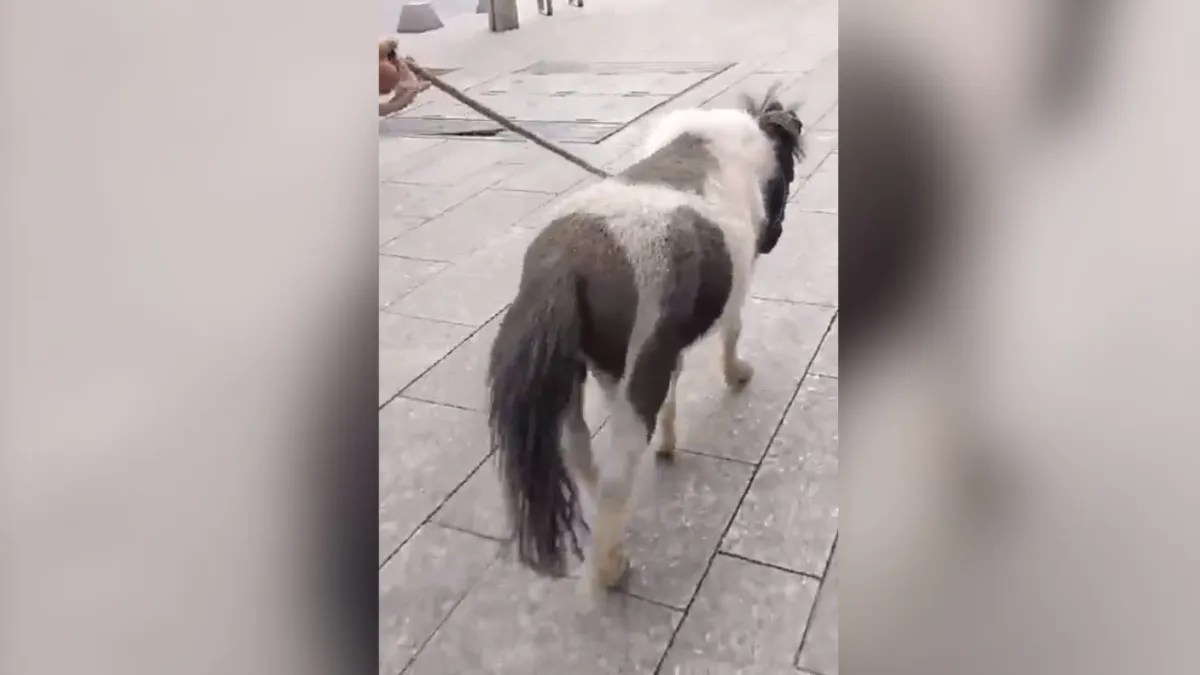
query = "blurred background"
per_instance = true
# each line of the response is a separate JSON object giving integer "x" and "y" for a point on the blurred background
{"x": 1018, "y": 264}
{"x": 389, "y": 10}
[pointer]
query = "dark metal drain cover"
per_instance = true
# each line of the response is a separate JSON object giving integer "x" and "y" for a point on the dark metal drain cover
{"x": 563, "y": 101}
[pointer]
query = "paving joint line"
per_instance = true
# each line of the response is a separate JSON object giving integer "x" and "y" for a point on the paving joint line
{"x": 429, "y": 518}
{"x": 463, "y": 530}
{"x": 448, "y": 322}
{"x": 418, "y": 399}
{"x": 816, "y": 599}
{"x": 753, "y": 475}
{"x": 451, "y": 263}
{"x": 461, "y": 600}
{"x": 471, "y": 474}
{"x": 801, "y": 184}
{"x": 414, "y": 258}
{"x": 773, "y": 566}
{"x": 807, "y": 303}
{"x": 626, "y": 129}
{"x": 753, "y": 68}
{"x": 439, "y": 360}
{"x": 439, "y": 214}
{"x": 405, "y": 294}
{"x": 656, "y": 603}
{"x": 709, "y": 455}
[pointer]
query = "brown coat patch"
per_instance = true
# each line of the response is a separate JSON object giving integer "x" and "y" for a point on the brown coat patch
{"x": 683, "y": 164}
{"x": 604, "y": 284}
{"x": 698, "y": 283}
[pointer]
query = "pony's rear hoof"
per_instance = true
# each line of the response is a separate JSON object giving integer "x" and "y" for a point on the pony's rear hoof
{"x": 596, "y": 580}
{"x": 738, "y": 374}
{"x": 666, "y": 448}
{"x": 612, "y": 569}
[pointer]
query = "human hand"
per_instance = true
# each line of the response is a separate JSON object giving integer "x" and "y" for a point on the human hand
{"x": 387, "y": 51}
{"x": 407, "y": 91}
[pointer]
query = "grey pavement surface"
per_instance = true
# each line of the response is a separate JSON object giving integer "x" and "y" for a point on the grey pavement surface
{"x": 733, "y": 544}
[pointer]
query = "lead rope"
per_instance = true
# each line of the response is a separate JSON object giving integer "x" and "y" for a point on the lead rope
{"x": 503, "y": 121}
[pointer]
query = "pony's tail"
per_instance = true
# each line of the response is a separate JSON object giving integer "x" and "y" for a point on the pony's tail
{"x": 535, "y": 366}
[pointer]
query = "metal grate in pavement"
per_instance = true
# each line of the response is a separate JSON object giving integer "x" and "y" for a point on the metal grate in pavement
{"x": 563, "y": 101}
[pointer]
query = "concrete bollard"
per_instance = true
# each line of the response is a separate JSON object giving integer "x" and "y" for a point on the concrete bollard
{"x": 418, "y": 17}
{"x": 503, "y": 16}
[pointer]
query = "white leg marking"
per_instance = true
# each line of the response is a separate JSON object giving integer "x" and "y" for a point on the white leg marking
{"x": 666, "y": 419}
{"x": 577, "y": 443}
{"x": 737, "y": 371}
{"x": 617, "y": 477}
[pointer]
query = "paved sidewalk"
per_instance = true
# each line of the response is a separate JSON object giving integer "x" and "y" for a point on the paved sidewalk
{"x": 733, "y": 545}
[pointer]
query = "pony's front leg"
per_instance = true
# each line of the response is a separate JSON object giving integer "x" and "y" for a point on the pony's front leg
{"x": 737, "y": 371}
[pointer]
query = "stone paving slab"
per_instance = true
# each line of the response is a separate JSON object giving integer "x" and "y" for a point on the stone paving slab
{"x": 756, "y": 85}
{"x": 421, "y": 585}
{"x": 830, "y": 121}
{"x": 476, "y": 288}
{"x": 818, "y": 90}
{"x": 478, "y": 507}
{"x": 695, "y": 496}
{"x": 650, "y": 81}
{"x": 778, "y": 339}
{"x": 553, "y": 178}
{"x": 826, "y": 362}
{"x": 818, "y": 145}
{"x": 399, "y": 276}
{"x": 819, "y": 651}
{"x": 516, "y": 623}
{"x": 456, "y": 162}
{"x": 803, "y": 267}
{"x": 789, "y": 516}
{"x": 746, "y": 618}
{"x": 468, "y": 227}
{"x": 401, "y": 155}
{"x": 409, "y": 346}
{"x": 390, "y": 226}
{"x": 820, "y": 192}
{"x": 428, "y": 201}
{"x": 426, "y": 451}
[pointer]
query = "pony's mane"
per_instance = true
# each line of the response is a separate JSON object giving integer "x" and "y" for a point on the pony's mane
{"x": 781, "y": 121}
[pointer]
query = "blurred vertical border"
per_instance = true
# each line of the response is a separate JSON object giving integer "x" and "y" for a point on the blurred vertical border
{"x": 188, "y": 232}
{"x": 1017, "y": 264}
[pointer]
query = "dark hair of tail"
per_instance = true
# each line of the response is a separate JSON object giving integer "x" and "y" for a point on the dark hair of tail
{"x": 534, "y": 369}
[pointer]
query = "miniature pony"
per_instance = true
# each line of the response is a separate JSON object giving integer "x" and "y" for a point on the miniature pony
{"x": 636, "y": 269}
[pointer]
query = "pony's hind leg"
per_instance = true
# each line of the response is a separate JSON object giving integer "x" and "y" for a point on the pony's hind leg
{"x": 666, "y": 419}
{"x": 577, "y": 440}
{"x": 634, "y": 417}
{"x": 617, "y": 474}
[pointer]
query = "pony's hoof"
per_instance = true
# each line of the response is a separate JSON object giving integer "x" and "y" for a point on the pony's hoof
{"x": 666, "y": 448}
{"x": 612, "y": 569}
{"x": 738, "y": 374}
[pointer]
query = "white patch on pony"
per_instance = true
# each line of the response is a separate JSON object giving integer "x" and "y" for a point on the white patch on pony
{"x": 733, "y": 193}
